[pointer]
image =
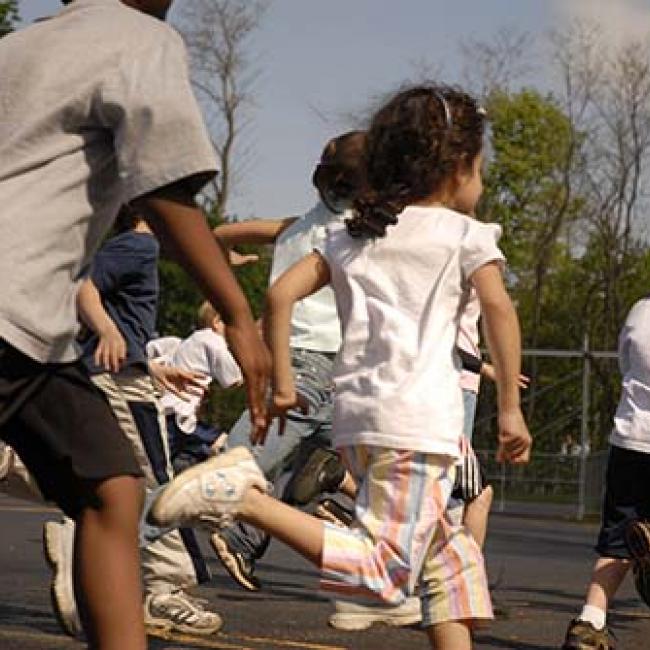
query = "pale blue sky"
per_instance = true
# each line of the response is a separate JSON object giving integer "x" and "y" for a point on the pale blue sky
{"x": 320, "y": 61}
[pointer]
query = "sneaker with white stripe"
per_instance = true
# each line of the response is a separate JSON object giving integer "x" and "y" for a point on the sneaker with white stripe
{"x": 180, "y": 612}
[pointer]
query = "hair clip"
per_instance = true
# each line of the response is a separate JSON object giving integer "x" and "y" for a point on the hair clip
{"x": 445, "y": 106}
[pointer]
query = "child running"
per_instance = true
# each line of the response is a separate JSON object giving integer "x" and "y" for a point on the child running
{"x": 625, "y": 529}
{"x": 204, "y": 353}
{"x": 97, "y": 111}
{"x": 401, "y": 269}
{"x": 315, "y": 339}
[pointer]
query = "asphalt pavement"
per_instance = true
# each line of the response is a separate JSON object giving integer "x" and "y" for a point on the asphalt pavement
{"x": 538, "y": 571}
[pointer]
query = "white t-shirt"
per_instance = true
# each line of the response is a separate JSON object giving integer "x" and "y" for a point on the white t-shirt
{"x": 399, "y": 299}
{"x": 468, "y": 340}
{"x": 206, "y": 352}
{"x": 96, "y": 109}
{"x": 314, "y": 322}
{"x": 632, "y": 419}
{"x": 162, "y": 349}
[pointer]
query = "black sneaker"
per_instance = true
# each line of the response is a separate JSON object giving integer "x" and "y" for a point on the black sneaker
{"x": 241, "y": 569}
{"x": 323, "y": 472}
{"x": 582, "y": 635}
{"x": 637, "y": 538}
{"x": 335, "y": 513}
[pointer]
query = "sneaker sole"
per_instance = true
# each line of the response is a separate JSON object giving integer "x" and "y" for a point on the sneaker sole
{"x": 359, "y": 622}
{"x": 230, "y": 564}
{"x": 161, "y": 504}
{"x": 170, "y": 631}
{"x": 333, "y": 512}
{"x": 582, "y": 646}
{"x": 170, "y": 634}
{"x": 51, "y": 544}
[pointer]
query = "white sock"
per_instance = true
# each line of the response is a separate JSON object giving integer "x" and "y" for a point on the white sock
{"x": 593, "y": 615}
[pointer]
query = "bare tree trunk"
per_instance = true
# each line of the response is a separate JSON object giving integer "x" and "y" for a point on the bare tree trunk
{"x": 217, "y": 33}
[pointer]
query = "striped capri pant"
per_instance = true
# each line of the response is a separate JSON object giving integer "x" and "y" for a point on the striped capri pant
{"x": 402, "y": 536}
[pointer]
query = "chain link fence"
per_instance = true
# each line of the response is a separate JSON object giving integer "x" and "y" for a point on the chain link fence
{"x": 574, "y": 396}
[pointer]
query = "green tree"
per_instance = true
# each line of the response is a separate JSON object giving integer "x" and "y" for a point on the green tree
{"x": 529, "y": 191}
{"x": 8, "y": 16}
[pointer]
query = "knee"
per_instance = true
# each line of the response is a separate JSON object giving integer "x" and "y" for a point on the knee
{"x": 120, "y": 497}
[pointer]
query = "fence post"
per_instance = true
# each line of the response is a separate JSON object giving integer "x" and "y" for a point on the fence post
{"x": 584, "y": 427}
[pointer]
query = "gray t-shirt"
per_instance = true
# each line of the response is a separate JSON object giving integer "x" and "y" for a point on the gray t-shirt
{"x": 96, "y": 109}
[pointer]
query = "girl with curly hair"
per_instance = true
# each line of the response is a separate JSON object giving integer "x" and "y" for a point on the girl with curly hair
{"x": 402, "y": 267}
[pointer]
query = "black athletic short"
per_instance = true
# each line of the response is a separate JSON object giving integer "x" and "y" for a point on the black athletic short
{"x": 627, "y": 498}
{"x": 62, "y": 428}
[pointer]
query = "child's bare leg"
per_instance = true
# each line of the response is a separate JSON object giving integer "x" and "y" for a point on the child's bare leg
{"x": 450, "y": 635}
{"x": 107, "y": 567}
{"x": 476, "y": 515}
{"x": 302, "y": 532}
{"x": 606, "y": 578}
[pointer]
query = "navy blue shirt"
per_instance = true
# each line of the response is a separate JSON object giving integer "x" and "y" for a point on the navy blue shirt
{"x": 125, "y": 271}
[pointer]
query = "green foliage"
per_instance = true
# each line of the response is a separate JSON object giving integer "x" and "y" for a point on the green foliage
{"x": 531, "y": 144}
{"x": 8, "y": 16}
{"x": 567, "y": 277}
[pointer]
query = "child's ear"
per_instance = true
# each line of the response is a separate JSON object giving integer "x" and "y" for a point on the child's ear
{"x": 464, "y": 172}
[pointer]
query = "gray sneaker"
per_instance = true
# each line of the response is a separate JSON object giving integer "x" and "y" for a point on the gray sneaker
{"x": 352, "y": 616}
{"x": 180, "y": 612}
{"x": 58, "y": 547}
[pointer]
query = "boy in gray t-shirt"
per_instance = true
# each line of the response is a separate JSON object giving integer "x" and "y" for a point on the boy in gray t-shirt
{"x": 96, "y": 110}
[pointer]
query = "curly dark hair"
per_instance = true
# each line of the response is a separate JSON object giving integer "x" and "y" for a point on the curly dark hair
{"x": 415, "y": 142}
{"x": 340, "y": 172}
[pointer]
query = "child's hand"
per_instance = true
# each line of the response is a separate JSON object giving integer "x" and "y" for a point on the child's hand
{"x": 237, "y": 259}
{"x": 110, "y": 352}
{"x": 515, "y": 441}
{"x": 487, "y": 370}
{"x": 287, "y": 400}
{"x": 182, "y": 383}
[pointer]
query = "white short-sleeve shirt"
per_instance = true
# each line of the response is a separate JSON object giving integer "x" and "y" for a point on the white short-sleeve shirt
{"x": 632, "y": 419}
{"x": 468, "y": 340}
{"x": 400, "y": 298}
{"x": 206, "y": 352}
{"x": 314, "y": 322}
{"x": 96, "y": 109}
{"x": 162, "y": 349}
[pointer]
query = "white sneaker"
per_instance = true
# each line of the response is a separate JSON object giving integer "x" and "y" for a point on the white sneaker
{"x": 180, "y": 612}
{"x": 58, "y": 546}
{"x": 209, "y": 492}
{"x": 5, "y": 460}
{"x": 15, "y": 479}
{"x": 354, "y": 616}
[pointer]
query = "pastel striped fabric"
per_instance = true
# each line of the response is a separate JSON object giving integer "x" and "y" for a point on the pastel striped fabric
{"x": 402, "y": 537}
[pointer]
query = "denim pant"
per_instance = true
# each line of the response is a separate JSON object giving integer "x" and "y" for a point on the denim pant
{"x": 303, "y": 432}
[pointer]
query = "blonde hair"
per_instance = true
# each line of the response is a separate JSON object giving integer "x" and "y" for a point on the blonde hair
{"x": 206, "y": 315}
